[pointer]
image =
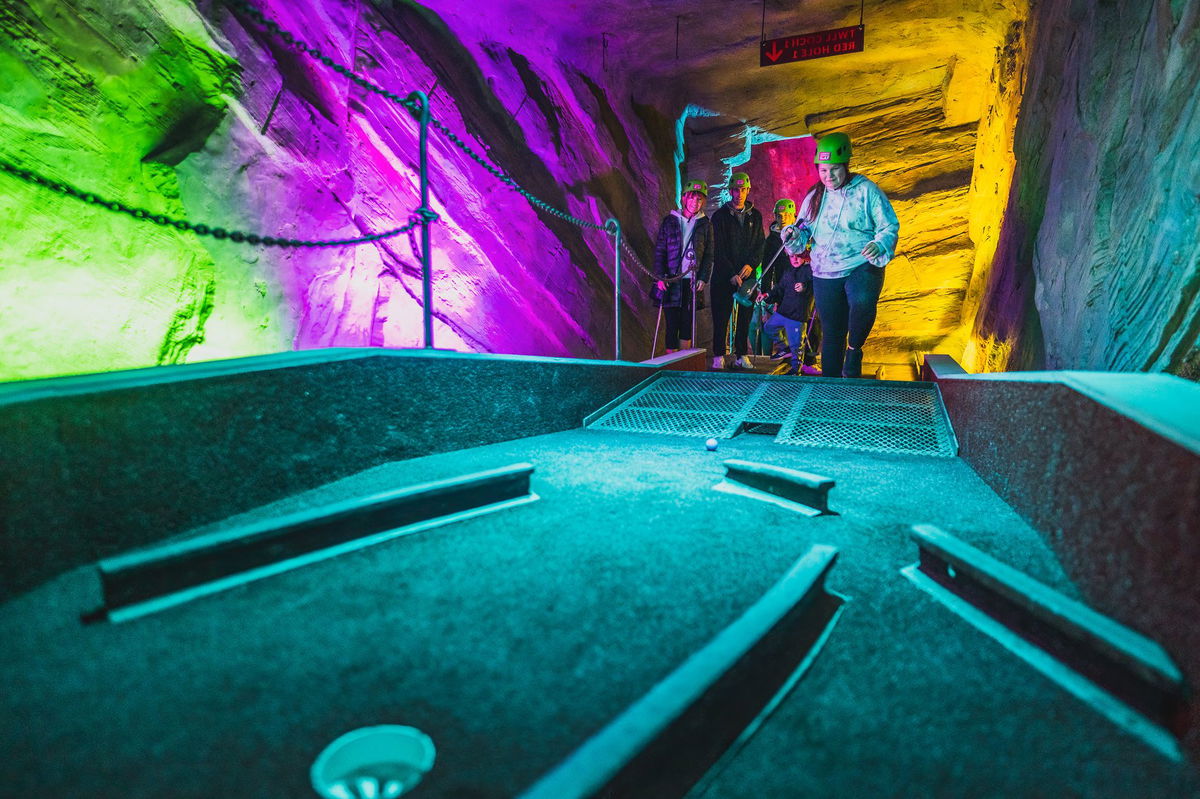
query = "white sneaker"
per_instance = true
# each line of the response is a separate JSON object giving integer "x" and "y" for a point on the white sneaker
{"x": 744, "y": 362}
{"x": 719, "y": 362}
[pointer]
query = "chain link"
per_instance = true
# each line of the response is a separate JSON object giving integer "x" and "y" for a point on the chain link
{"x": 299, "y": 44}
{"x": 236, "y": 236}
{"x": 507, "y": 180}
{"x": 633, "y": 257}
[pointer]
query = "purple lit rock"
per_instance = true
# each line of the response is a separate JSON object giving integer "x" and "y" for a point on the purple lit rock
{"x": 313, "y": 155}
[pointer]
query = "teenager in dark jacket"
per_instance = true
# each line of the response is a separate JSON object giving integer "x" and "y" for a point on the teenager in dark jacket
{"x": 794, "y": 298}
{"x": 684, "y": 247}
{"x": 738, "y": 229}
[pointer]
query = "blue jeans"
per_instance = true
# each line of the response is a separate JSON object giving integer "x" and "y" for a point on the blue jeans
{"x": 795, "y": 334}
{"x": 847, "y": 306}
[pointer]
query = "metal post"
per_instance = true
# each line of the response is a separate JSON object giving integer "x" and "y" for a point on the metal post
{"x": 422, "y": 116}
{"x": 614, "y": 227}
{"x": 657, "y": 325}
{"x": 695, "y": 299}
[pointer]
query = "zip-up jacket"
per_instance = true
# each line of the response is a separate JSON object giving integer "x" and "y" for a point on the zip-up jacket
{"x": 738, "y": 243}
{"x": 793, "y": 304}
{"x": 772, "y": 270}
{"x": 669, "y": 253}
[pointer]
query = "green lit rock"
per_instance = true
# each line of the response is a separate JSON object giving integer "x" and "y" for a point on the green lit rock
{"x": 109, "y": 102}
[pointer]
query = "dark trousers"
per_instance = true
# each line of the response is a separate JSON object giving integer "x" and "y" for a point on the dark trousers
{"x": 814, "y": 339}
{"x": 679, "y": 319}
{"x": 793, "y": 333}
{"x": 722, "y": 307}
{"x": 847, "y": 307}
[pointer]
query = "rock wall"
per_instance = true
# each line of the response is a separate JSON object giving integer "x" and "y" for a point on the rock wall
{"x": 197, "y": 112}
{"x": 1098, "y": 262}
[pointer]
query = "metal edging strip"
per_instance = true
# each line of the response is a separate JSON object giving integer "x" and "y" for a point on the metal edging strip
{"x": 605, "y": 410}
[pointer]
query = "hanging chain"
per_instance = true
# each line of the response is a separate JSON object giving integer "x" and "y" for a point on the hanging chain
{"x": 633, "y": 257}
{"x": 496, "y": 172}
{"x": 236, "y": 236}
{"x": 299, "y": 44}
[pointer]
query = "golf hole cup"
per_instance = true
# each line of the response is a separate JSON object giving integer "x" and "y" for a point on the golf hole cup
{"x": 373, "y": 763}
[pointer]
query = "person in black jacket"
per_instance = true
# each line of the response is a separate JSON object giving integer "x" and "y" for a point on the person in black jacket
{"x": 738, "y": 229}
{"x": 684, "y": 249}
{"x": 793, "y": 293}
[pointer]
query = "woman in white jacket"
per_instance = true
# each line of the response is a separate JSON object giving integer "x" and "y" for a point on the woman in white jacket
{"x": 854, "y": 232}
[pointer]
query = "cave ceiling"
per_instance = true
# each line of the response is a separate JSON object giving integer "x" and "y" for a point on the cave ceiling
{"x": 938, "y": 52}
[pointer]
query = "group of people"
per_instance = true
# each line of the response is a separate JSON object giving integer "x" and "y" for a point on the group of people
{"x": 832, "y": 248}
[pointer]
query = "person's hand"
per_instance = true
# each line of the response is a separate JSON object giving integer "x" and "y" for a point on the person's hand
{"x": 736, "y": 280}
{"x": 798, "y": 287}
{"x": 662, "y": 286}
{"x": 747, "y": 271}
{"x": 699, "y": 286}
{"x": 762, "y": 295}
{"x": 872, "y": 250}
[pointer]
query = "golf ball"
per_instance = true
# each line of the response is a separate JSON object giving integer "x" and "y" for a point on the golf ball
{"x": 711, "y": 444}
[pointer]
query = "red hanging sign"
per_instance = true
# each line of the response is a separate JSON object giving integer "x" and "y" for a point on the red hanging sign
{"x": 805, "y": 46}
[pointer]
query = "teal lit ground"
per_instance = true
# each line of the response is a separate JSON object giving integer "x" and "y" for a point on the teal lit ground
{"x": 512, "y": 637}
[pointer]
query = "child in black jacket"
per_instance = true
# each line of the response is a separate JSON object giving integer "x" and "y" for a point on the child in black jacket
{"x": 793, "y": 293}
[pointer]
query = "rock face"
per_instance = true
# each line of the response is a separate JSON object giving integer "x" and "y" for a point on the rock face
{"x": 1044, "y": 171}
{"x": 1098, "y": 264}
{"x": 110, "y": 103}
{"x": 202, "y": 114}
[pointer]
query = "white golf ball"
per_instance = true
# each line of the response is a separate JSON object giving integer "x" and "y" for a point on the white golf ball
{"x": 711, "y": 444}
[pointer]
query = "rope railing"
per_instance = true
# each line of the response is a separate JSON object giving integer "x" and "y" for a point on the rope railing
{"x": 417, "y": 104}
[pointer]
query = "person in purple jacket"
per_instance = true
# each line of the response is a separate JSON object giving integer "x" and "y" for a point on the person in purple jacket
{"x": 683, "y": 260}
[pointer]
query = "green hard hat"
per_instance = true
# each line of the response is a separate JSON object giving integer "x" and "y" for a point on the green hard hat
{"x": 739, "y": 180}
{"x": 785, "y": 205}
{"x": 698, "y": 186}
{"x": 833, "y": 148}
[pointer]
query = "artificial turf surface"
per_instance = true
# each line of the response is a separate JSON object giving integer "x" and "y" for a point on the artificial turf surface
{"x": 511, "y": 637}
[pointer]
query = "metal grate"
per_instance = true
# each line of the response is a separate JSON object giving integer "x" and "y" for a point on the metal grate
{"x": 866, "y": 416}
{"x": 701, "y": 403}
{"x": 777, "y": 400}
